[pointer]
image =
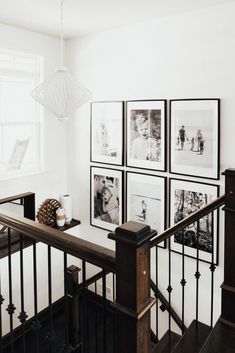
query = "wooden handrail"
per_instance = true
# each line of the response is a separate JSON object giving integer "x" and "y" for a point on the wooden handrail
{"x": 15, "y": 197}
{"x": 85, "y": 250}
{"x": 91, "y": 280}
{"x": 188, "y": 220}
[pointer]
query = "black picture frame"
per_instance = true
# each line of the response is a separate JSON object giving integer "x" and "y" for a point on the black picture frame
{"x": 196, "y": 195}
{"x": 195, "y": 137}
{"x": 151, "y": 155}
{"x": 106, "y": 197}
{"x": 154, "y": 196}
{"x": 102, "y": 142}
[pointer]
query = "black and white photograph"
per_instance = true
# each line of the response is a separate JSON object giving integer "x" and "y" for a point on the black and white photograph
{"x": 106, "y": 198}
{"x": 186, "y": 198}
{"x": 107, "y": 132}
{"x": 146, "y": 130}
{"x": 146, "y": 200}
{"x": 194, "y": 137}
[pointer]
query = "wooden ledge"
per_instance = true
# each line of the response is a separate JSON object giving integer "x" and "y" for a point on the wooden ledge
{"x": 131, "y": 313}
{"x": 227, "y": 209}
{"x": 227, "y": 322}
{"x": 227, "y": 288}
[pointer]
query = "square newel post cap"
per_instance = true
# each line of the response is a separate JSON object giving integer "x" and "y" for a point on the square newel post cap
{"x": 229, "y": 191}
{"x": 230, "y": 171}
{"x": 132, "y": 232}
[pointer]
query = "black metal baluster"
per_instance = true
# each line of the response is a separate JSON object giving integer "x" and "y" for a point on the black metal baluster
{"x": 10, "y": 308}
{"x": 84, "y": 340}
{"x": 96, "y": 322}
{"x": 66, "y": 348}
{"x": 183, "y": 281}
{"x": 104, "y": 310}
{"x": 1, "y": 302}
{"x": 87, "y": 323}
{"x": 22, "y": 316}
{"x": 114, "y": 314}
{"x": 36, "y": 324}
{"x": 114, "y": 287}
{"x": 169, "y": 288}
{"x": 51, "y": 334}
{"x": 156, "y": 296}
{"x": 212, "y": 268}
{"x": 197, "y": 273}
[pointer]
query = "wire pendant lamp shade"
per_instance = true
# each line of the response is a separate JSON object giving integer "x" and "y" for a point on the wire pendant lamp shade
{"x": 61, "y": 94}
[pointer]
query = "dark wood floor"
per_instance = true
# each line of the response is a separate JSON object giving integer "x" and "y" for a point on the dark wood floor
{"x": 93, "y": 332}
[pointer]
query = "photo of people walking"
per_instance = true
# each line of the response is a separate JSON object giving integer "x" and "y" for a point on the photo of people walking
{"x": 194, "y": 137}
{"x": 195, "y": 143}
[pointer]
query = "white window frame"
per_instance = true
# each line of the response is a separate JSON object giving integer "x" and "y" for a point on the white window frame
{"x": 14, "y": 68}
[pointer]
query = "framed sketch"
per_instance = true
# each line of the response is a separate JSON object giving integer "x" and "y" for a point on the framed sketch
{"x": 107, "y": 132}
{"x": 187, "y": 197}
{"x": 146, "y": 131}
{"x": 106, "y": 198}
{"x": 195, "y": 137}
{"x": 145, "y": 201}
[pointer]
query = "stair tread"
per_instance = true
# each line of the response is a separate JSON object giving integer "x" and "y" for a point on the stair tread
{"x": 193, "y": 338}
{"x": 166, "y": 343}
{"x": 221, "y": 339}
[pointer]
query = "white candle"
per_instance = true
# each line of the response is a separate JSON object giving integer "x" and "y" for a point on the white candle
{"x": 66, "y": 203}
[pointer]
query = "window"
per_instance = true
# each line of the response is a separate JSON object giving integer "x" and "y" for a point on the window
{"x": 20, "y": 115}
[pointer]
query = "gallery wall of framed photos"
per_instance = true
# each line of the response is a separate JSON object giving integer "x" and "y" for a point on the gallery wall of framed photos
{"x": 144, "y": 171}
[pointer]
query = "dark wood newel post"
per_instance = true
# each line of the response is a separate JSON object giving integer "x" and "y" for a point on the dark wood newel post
{"x": 133, "y": 300}
{"x": 73, "y": 307}
{"x": 228, "y": 287}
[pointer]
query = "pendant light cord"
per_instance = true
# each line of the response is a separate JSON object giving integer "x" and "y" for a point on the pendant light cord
{"x": 61, "y": 34}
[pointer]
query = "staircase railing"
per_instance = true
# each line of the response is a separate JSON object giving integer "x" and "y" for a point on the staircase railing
{"x": 68, "y": 245}
{"x": 84, "y": 327}
{"x": 108, "y": 323}
{"x": 173, "y": 305}
{"x": 187, "y": 221}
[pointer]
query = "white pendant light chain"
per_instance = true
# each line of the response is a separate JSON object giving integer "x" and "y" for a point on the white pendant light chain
{"x": 61, "y": 94}
{"x": 61, "y": 33}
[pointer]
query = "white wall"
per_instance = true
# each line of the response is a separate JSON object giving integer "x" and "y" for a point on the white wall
{"x": 50, "y": 183}
{"x": 186, "y": 56}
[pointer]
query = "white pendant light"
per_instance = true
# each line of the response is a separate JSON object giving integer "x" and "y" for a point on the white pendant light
{"x": 61, "y": 94}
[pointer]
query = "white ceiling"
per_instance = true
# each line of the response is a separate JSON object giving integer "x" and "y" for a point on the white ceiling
{"x": 83, "y": 17}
